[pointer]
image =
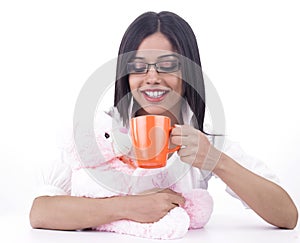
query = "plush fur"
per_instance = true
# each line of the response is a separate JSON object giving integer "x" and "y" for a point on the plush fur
{"x": 193, "y": 215}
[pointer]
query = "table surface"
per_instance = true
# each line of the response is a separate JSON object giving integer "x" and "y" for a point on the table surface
{"x": 244, "y": 226}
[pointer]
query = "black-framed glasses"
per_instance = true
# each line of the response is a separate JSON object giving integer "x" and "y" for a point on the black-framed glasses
{"x": 163, "y": 66}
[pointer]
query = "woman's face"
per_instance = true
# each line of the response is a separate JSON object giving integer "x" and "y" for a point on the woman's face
{"x": 157, "y": 92}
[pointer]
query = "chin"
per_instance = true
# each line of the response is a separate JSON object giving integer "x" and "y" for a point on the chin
{"x": 152, "y": 110}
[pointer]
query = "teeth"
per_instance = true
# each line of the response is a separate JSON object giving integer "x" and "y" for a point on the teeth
{"x": 155, "y": 94}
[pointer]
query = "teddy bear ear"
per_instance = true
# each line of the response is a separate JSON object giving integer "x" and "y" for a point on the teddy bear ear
{"x": 121, "y": 141}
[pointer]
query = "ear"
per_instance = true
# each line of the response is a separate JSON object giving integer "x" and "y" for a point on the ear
{"x": 121, "y": 141}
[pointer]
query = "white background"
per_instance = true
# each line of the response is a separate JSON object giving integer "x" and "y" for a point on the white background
{"x": 48, "y": 49}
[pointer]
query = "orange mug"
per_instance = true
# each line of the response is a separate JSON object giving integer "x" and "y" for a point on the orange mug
{"x": 150, "y": 136}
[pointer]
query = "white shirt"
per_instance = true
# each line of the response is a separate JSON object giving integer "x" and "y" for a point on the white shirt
{"x": 56, "y": 178}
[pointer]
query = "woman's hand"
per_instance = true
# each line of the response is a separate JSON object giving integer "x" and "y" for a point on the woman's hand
{"x": 267, "y": 199}
{"x": 196, "y": 149}
{"x": 149, "y": 208}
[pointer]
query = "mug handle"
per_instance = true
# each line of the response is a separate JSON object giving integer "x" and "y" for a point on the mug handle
{"x": 173, "y": 149}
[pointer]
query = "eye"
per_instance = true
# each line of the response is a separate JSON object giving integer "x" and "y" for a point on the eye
{"x": 137, "y": 67}
{"x": 168, "y": 66}
{"x": 106, "y": 135}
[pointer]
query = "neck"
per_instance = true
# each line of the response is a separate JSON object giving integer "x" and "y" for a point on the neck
{"x": 174, "y": 114}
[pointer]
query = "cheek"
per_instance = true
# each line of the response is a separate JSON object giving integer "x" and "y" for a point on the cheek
{"x": 177, "y": 86}
{"x": 180, "y": 84}
{"x": 133, "y": 87}
{"x": 133, "y": 83}
{"x": 180, "y": 87}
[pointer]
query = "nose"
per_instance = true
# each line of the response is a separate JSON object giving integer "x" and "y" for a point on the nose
{"x": 152, "y": 76}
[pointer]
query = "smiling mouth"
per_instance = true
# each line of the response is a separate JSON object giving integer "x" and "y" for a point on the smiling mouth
{"x": 154, "y": 95}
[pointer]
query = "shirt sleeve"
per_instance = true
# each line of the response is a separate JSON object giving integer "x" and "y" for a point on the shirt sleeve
{"x": 234, "y": 150}
{"x": 55, "y": 177}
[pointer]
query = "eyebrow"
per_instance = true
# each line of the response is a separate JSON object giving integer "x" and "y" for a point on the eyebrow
{"x": 138, "y": 58}
{"x": 167, "y": 55}
{"x": 158, "y": 58}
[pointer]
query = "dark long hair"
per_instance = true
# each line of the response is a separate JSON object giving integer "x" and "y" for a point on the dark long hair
{"x": 183, "y": 40}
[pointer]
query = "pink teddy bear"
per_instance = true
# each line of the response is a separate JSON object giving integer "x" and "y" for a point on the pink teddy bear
{"x": 193, "y": 215}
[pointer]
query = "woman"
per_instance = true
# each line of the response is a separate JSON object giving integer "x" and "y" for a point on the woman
{"x": 154, "y": 79}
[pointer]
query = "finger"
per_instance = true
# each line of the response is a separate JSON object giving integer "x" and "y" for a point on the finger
{"x": 182, "y": 130}
{"x": 176, "y": 130}
{"x": 177, "y": 200}
{"x": 190, "y": 159}
{"x": 183, "y": 152}
{"x": 180, "y": 140}
{"x": 172, "y": 205}
{"x": 177, "y": 140}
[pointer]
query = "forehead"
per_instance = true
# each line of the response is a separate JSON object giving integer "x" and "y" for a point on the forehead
{"x": 156, "y": 41}
{"x": 154, "y": 46}
{"x": 154, "y": 55}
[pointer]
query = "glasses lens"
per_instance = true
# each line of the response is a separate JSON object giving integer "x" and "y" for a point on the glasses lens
{"x": 168, "y": 66}
{"x": 164, "y": 66}
{"x": 137, "y": 67}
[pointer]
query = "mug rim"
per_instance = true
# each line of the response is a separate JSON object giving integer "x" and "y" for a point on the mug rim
{"x": 136, "y": 117}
